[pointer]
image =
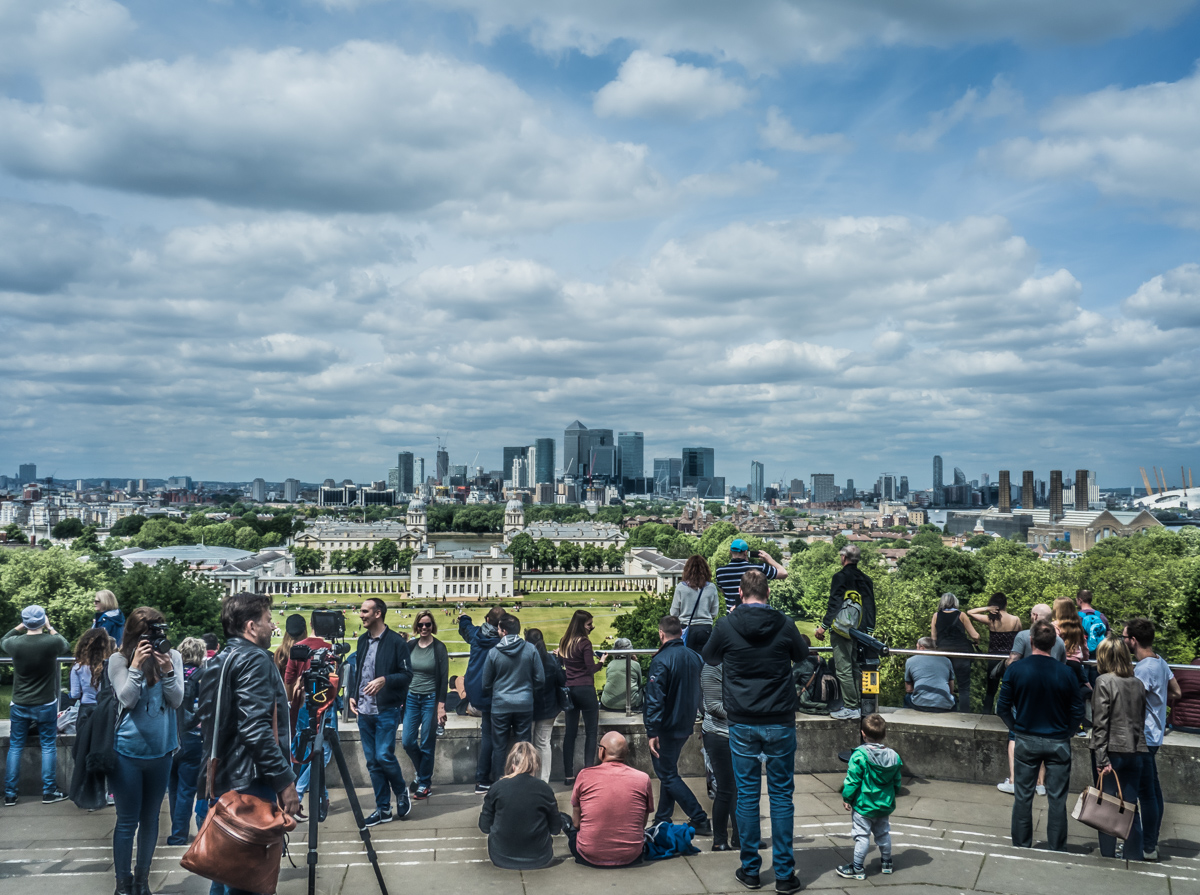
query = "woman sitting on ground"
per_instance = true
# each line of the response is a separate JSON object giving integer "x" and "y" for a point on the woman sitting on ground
{"x": 520, "y": 814}
{"x": 615, "y": 684}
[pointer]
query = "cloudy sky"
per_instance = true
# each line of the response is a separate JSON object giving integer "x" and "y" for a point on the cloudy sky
{"x": 280, "y": 239}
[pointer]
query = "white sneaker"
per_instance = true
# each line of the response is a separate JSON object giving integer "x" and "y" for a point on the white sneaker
{"x": 1006, "y": 786}
{"x": 846, "y": 715}
{"x": 1041, "y": 790}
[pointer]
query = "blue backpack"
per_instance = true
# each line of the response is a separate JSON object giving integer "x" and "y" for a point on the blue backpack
{"x": 1095, "y": 626}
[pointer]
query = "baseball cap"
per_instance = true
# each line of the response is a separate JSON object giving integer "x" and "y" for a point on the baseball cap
{"x": 739, "y": 546}
{"x": 33, "y": 617}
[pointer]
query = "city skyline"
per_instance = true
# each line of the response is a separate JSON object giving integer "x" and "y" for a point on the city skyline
{"x": 817, "y": 236}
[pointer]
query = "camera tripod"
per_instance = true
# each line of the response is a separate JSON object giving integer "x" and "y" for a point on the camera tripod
{"x": 318, "y": 697}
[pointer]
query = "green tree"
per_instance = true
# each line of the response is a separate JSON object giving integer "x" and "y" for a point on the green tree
{"x": 976, "y": 542}
{"x": 161, "y": 532}
{"x": 404, "y": 559}
{"x": 568, "y": 556}
{"x": 87, "y": 542}
{"x": 547, "y": 555}
{"x": 359, "y": 560}
{"x": 308, "y": 559}
{"x": 714, "y": 536}
{"x": 272, "y": 539}
{"x": 385, "y": 554}
{"x": 223, "y": 534}
{"x": 337, "y": 559}
{"x": 54, "y": 579}
{"x": 67, "y": 528}
{"x": 927, "y": 539}
{"x": 248, "y": 539}
{"x": 640, "y": 624}
{"x": 954, "y": 571}
{"x": 523, "y": 550}
{"x": 614, "y": 557}
{"x": 128, "y": 526}
{"x": 797, "y": 545}
{"x": 190, "y": 603}
{"x": 591, "y": 557}
{"x": 14, "y": 534}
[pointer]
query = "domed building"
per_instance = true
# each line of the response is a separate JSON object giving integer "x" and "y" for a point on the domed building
{"x": 514, "y": 519}
{"x": 416, "y": 521}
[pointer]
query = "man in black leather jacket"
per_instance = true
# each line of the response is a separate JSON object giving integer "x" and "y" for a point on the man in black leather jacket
{"x": 251, "y": 756}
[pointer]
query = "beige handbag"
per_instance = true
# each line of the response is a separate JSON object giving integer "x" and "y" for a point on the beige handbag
{"x": 1102, "y": 811}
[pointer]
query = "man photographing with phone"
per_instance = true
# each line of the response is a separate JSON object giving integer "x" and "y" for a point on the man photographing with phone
{"x": 742, "y": 560}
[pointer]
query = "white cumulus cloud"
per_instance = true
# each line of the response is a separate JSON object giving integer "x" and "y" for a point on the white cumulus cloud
{"x": 649, "y": 86}
{"x": 777, "y": 133}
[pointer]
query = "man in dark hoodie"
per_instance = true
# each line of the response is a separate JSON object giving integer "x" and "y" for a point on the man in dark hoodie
{"x": 480, "y": 639}
{"x": 851, "y": 605}
{"x": 757, "y": 646}
{"x": 512, "y": 674}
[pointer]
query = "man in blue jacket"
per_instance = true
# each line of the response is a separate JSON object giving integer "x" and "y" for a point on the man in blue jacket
{"x": 377, "y": 692}
{"x": 480, "y": 639}
{"x": 672, "y": 700}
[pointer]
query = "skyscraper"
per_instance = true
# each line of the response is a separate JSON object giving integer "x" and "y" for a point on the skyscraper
{"x": 1005, "y": 494}
{"x": 757, "y": 481}
{"x": 419, "y": 471}
{"x": 544, "y": 472}
{"x": 258, "y": 490}
{"x": 443, "y": 465}
{"x": 889, "y": 486}
{"x": 903, "y": 487}
{"x": 1028, "y": 500}
{"x": 1056, "y": 494}
{"x": 823, "y": 488}
{"x": 938, "y": 481}
{"x": 404, "y": 463}
{"x": 960, "y": 477}
{"x": 1081, "y": 489}
{"x": 27, "y": 474}
{"x": 698, "y": 470}
{"x": 662, "y": 475}
{"x": 291, "y": 490}
{"x": 575, "y": 449}
{"x": 510, "y": 454}
{"x": 630, "y": 446}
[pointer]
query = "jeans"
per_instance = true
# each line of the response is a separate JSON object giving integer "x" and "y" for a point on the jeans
{"x": 671, "y": 788}
{"x": 862, "y": 828}
{"x": 845, "y": 668}
{"x": 378, "y": 734}
{"x": 420, "y": 734}
{"x": 777, "y": 744}
{"x": 587, "y": 705}
{"x": 138, "y": 785}
{"x": 483, "y": 761}
{"x": 909, "y": 704}
{"x": 721, "y": 759}
{"x": 993, "y": 687}
{"x": 1028, "y": 753}
{"x": 20, "y": 716}
{"x": 1150, "y": 799}
{"x": 265, "y": 793}
{"x": 962, "y": 675}
{"x": 541, "y": 742}
{"x": 181, "y": 787}
{"x": 509, "y": 726}
{"x": 1128, "y": 767}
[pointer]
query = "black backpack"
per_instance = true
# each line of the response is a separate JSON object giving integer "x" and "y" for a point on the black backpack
{"x": 817, "y": 691}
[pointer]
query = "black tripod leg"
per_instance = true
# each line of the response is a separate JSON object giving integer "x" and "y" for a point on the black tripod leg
{"x": 316, "y": 781}
{"x": 336, "y": 745}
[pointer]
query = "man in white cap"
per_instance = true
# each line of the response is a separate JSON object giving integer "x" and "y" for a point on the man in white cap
{"x": 34, "y": 647}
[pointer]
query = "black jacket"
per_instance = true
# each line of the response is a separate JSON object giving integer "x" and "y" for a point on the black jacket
{"x": 391, "y": 663}
{"x": 757, "y": 645}
{"x": 545, "y": 698}
{"x": 673, "y": 691}
{"x": 849, "y": 577}
{"x": 248, "y": 751}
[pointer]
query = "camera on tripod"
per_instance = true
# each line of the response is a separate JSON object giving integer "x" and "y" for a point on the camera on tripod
{"x": 156, "y": 636}
{"x": 322, "y": 662}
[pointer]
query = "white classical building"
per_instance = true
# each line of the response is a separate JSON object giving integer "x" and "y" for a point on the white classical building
{"x": 582, "y": 534}
{"x": 461, "y": 574}
{"x": 326, "y": 537}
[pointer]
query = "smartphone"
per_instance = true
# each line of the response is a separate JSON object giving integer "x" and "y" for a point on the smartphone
{"x": 754, "y": 554}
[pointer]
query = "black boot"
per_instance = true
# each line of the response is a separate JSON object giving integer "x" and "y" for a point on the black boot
{"x": 141, "y": 882}
{"x": 124, "y": 886}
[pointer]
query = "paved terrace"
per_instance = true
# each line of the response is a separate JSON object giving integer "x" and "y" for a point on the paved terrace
{"x": 948, "y": 837}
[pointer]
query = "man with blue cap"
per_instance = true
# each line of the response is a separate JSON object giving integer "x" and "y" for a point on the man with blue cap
{"x": 34, "y": 647}
{"x": 729, "y": 576}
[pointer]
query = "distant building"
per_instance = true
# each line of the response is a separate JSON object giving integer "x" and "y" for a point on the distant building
{"x": 1083, "y": 529}
{"x": 180, "y": 481}
{"x": 1005, "y": 495}
{"x": 903, "y": 487}
{"x": 329, "y": 536}
{"x": 544, "y": 465}
{"x": 667, "y": 474}
{"x": 1081, "y": 490}
{"x": 1028, "y": 497}
{"x": 462, "y": 574}
{"x": 1056, "y": 494}
{"x": 939, "y": 483}
{"x": 258, "y": 490}
{"x": 291, "y": 490}
{"x": 443, "y": 465}
{"x": 823, "y": 488}
{"x": 757, "y": 482}
{"x": 27, "y": 474}
{"x": 630, "y": 454}
{"x": 406, "y": 483}
{"x": 699, "y": 472}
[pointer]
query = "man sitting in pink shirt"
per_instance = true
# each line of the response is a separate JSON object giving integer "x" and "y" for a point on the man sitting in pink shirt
{"x": 610, "y": 807}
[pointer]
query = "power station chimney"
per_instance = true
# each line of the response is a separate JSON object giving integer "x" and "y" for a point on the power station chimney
{"x": 1005, "y": 492}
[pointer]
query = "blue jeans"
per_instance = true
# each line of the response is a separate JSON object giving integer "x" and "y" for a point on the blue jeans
{"x": 909, "y": 704}
{"x": 181, "y": 788}
{"x": 138, "y": 786}
{"x": 776, "y": 743}
{"x": 20, "y": 716}
{"x": 264, "y": 792}
{"x": 378, "y": 734}
{"x": 1150, "y": 799}
{"x": 671, "y": 788}
{"x": 1128, "y": 767}
{"x": 420, "y": 734}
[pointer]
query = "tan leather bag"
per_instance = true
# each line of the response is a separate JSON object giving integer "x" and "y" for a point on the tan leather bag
{"x": 241, "y": 841}
{"x": 1103, "y": 811}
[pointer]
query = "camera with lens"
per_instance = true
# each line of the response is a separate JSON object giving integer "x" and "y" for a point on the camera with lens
{"x": 156, "y": 636}
{"x": 322, "y": 662}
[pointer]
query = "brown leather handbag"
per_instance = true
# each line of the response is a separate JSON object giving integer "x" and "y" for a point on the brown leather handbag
{"x": 241, "y": 841}
{"x": 1103, "y": 811}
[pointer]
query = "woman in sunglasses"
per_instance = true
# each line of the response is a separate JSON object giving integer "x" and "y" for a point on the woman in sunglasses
{"x": 425, "y": 708}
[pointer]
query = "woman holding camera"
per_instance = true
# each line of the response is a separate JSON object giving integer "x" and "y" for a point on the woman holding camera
{"x": 147, "y": 678}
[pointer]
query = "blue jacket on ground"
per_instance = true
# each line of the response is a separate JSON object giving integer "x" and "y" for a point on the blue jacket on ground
{"x": 1041, "y": 697}
{"x": 481, "y": 639}
{"x": 673, "y": 691}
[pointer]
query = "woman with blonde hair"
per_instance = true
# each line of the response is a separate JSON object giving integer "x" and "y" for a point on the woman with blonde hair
{"x": 695, "y": 602}
{"x": 520, "y": 814}
{"x": 579, "y": 663}
{"x": 108, "y": 615}
{"x": 1118, "y": 735}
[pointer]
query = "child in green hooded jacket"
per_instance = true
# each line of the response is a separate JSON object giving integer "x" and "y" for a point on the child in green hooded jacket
{"x": 869, "y": 793}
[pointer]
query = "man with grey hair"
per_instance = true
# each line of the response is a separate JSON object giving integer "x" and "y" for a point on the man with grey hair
{"x": 927, "y": 681}
{"x": 851, "y": 605}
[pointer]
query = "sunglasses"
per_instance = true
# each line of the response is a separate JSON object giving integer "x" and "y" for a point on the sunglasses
{"x": 424, "y": 624}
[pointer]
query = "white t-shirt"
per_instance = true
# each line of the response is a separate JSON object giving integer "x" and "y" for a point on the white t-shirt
{"x": 1155, "y": 676}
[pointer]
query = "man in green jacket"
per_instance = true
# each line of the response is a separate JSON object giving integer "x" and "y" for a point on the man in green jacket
{"x": 869, "y": 793}
{"x": 34, "y": 647}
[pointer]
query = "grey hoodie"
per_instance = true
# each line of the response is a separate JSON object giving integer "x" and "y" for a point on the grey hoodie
{"x": 511, "y": 674}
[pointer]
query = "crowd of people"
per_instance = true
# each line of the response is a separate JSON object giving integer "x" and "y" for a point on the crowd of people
{"x": 148, "y": 714}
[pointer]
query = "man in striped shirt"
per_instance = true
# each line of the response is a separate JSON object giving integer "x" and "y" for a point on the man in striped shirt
{"x": 729, "y": 576}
